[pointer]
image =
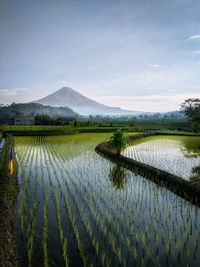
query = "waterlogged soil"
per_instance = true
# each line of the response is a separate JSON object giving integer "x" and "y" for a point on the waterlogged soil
{"x": 175, "y": 154}
{"x": 76, "y": 208}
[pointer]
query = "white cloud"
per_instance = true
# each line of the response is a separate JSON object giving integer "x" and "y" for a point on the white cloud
{"x": 165, "y": 102}
{"x": 65, "y": 83}
{"x": 197, "y": 52}
{"x": 194, "y": 37}
{"x": 157, "y": 66}
{"x": 172, "y": 90}
{"x": 17, "y": 95}
{"x": 7, "y": 93}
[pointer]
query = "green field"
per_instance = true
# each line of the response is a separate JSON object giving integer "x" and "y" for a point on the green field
{"x": 76, "y": 208}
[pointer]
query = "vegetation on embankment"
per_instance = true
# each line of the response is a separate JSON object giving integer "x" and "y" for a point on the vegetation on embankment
{"x": 56, "y": 130}
{"x": 38, "y": 130}
{"x": 70, "y": 129}
{"x": 177, "y": 185}
{"x": 8, "y": 194}
{"x": 180, "y": 133}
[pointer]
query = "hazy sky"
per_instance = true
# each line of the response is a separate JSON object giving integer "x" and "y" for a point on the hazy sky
{"x": 137, "y": 54}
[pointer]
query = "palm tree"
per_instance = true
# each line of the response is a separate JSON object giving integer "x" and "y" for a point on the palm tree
{"x": 118, "y": 141}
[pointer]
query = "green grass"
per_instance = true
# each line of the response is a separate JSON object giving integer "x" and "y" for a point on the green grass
{"x": 69, "y": 129}
{"x": 11, "y": 189}
{"x": 57, "y": 130}
{"x": 38, "y": 130}
{"x": 177, "y": 132}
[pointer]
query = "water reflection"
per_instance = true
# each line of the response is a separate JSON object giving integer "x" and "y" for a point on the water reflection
{"x": 118, "y": 176}
{"x": 191, "y": 146}
{"x": 195, "y": 178}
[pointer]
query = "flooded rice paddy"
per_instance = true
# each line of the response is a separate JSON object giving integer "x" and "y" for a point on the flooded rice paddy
{"x": 175, "y": 154}
{"x": 76, "y": 208}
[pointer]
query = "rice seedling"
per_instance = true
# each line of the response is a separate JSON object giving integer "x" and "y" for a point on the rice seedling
{"x": 63, "y": 239}
{"x": 45, "y": 223}
{"x": 125, "y": 227}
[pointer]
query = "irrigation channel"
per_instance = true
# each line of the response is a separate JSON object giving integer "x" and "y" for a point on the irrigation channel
{"x": 76, "y": 208}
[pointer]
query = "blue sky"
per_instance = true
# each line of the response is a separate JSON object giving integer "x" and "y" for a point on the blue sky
{"x": 137, "y": 54}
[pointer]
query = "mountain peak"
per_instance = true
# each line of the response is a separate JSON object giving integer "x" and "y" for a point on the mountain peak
{"x": 66, "y": 96}
{"x": 66, "y": 89}
{"x": 67, "y": 92}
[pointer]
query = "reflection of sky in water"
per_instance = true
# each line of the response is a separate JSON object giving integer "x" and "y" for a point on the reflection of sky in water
{"x": 165, "y": 154}
{"x": 133, "y": 220}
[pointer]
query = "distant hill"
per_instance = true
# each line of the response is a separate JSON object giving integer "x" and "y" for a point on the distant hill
{"x": 66, "y": 96}
{"x": 172, "y": 115}
{"x": 33, "y": 109}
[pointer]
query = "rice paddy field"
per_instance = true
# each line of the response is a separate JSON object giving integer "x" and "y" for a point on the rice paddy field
{"x": 175, "y": 154}
{"x": 76, "y": 208}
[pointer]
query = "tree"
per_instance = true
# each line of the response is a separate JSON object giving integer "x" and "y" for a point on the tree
{"x": 191, "y": 107}
{"x": 75, "y": 123}
{"x": 196, "y": 123}
{"x": 118, "y": 141}
{"x": 132, "y": 121}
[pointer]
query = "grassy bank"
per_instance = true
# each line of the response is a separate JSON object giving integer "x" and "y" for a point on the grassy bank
{"x": 8, "y": 194}
{"x": 38, "y": 130}
{"x": 68, "y": 129}
{"x": 57, "y": 130}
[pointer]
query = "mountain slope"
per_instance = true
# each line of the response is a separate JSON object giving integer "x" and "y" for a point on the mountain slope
{"x": 33, "y": 109}
{"x": 83, "y": 105}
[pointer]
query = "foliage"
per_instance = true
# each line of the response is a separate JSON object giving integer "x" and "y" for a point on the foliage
{"x": 9, "y": 113}
{"x": 191, "y": 107}
{"x": 195, "y": 178}
{"x": 118, "y": 141}
{"x": 191, "y": 146}
{"x": 38, "y": 130}
{"x": 196, "y": 123}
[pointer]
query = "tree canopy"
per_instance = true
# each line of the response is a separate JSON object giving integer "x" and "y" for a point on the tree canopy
{"x": 191, "y": 107}
{"x": 118, "y": 141}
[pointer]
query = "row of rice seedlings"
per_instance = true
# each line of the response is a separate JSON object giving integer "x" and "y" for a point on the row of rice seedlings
{"x": 63, "y": 240}
{"x": 84, "y": 221}
{"x": 111, "y": 223}
{"x": 156, "y": 210}
{"x": 164, "y": 154}
{"x": 68, "y": 210}
{"x": 45, "y": 219}
{"x": 144, "y": 203}
{"x": 24, "y": 190}
{"x": 143, "y": 239}
{"x": 33, "y": 216}
{"x": 23, "y": 147}
{"x": 118, "y": 250}
{"x": 75, "y": 229}
{"x": 94, "y": 216}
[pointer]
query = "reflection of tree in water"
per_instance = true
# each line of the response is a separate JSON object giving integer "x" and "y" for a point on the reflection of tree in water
{"x": 195, "y": 178}
{"x": 191, "y": 146}
{"x": 118, "y": 177}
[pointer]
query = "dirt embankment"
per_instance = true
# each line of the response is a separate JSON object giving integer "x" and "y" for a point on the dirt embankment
{"x": 8, "y": 195}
